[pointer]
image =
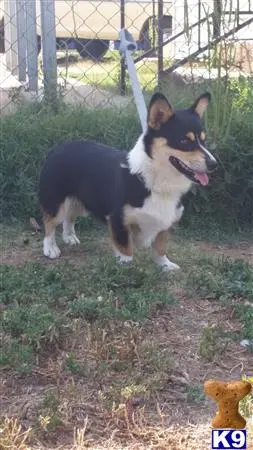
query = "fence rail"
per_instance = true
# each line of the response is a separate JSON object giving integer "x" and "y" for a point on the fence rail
{"x": 74, "y": 44}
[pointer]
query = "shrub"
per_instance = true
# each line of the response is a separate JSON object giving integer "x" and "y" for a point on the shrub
{"x": 27, "y": 135}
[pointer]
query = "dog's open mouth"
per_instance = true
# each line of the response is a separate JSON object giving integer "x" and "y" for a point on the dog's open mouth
{"x": 196, "y": 177}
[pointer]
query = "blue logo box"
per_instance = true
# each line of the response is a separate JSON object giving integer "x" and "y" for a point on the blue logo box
{"x": 229, "y": 439}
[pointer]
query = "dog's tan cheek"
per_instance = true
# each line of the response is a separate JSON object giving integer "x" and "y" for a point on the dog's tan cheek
{"x": 160, "y": 151}
{"x": 188, "y": 156}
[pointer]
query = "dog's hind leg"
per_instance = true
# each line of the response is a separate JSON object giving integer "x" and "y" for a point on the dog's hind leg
{"x": 121, "y": 239}
{"x": 50, "y": 248}
{"x": 72, "y": 209}
{"x": 159, "y": 252}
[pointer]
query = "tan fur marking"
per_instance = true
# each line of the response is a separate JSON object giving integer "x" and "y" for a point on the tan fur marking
{"x": 202, "y": 136}
{"x": 159, "y": 113}
{"x": 188, "y": 156}
{"x": 201, "y": 106}
{"x": 159, "y": 148}
{"x": 73, "y": 208}
{"x": 160, "y": 243}
{"x": 161, "y": 152}
{"x": 190, "y": 136}
{"x": 128, "y": 221}
{"x": 50, "y": 223}
{"x": 126, "y": 251}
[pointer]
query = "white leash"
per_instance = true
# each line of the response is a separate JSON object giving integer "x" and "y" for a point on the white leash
{"x": 127, "y": 46}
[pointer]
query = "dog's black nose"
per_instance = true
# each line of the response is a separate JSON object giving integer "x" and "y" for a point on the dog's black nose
{"x": 211, "y": 164}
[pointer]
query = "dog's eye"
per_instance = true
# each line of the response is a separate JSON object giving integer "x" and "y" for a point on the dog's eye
{"x": 184, "y": 141}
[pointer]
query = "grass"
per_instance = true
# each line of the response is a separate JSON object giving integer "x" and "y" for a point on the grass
{"x": 110, "y": 327}
{"x": 107, "y": 355}
{"x": 40, "y": 301}
{"x": 106, "y": 74}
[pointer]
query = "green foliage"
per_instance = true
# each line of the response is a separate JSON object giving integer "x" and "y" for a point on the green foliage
{"x": 195, "y": 394}
{"x": 27, "y": 136}
{"x": 226, "y": 280}
{"x": 16, "y": 354}
{"x": 71, "y": 364}
{"x": 227, "y": 201}
{"x": 42, "y": 302}
{"x": 211, "y": 344}
{"x": 49, "y": 418}
{"x": 33, "y": 323}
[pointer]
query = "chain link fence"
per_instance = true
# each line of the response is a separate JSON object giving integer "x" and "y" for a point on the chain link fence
{"x": 71, "y": 48}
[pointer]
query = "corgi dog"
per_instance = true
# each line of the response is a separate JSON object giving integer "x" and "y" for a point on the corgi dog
{"x": 137, "y": 193}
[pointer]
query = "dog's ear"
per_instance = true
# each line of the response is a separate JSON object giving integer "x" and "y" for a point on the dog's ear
{"x": 159, "y": 111}
{"x": 201, "y": 104}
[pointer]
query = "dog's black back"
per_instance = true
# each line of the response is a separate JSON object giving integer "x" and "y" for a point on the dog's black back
{"x": 95, "y": 174}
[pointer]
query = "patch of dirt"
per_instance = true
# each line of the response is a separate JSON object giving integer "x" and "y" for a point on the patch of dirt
{"x": 28, "y": 246}
{"x": 242, "y": 250}
{"x": 174, "y": 416}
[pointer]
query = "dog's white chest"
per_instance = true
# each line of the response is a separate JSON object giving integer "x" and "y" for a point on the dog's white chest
{"x": 158, "y": 213}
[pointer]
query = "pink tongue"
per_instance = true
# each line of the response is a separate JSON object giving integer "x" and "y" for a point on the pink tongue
{"x": 202, "y": 178}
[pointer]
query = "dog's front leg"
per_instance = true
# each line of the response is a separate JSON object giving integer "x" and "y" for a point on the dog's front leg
{"x": 121, "y": 238}
{"x": 159, "y": 252}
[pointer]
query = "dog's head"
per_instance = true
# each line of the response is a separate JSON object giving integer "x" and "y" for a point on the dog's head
{"x": 176, "y": 138}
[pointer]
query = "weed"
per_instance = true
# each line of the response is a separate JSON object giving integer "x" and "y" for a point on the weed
{"x": 80, "y": 441}
{"x": 246, "y": 404}
{"x": 155, "y": 358}
{"x": 195, "y": 394}
{"x": 15, "y": 354}
{"x": 71, "y": 364}
{"x": 246, "y": 409}
{"x": 133, "y": 389}
{"x": 34, "y": 324}
{"x": 13, "y": 436}
{"x": 49, "y": 416}
{"x": 211, "y": 344}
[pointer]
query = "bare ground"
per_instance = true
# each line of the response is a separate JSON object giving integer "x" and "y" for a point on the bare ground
{"x": 28, "y": 246}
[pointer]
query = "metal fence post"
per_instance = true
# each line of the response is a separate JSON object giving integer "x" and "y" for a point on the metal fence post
{"x": 122, "y": 61}
{"x": 160, "y": 42}
{"x": 48, "y": 38}
{"x": 10, "y": 32}
{"x": 21, "y": 36}
{"x": 217, "y": 13}
{"x": 32, "y": 47}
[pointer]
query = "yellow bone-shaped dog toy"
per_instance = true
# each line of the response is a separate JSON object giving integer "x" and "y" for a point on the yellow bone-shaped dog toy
{"x": 227, "y": 395}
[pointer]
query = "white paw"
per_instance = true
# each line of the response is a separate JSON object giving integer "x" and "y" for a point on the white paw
{"x": 70, "y": 239}
{"x": 165, "y": 263}
{"x": 51, "y": 251}
{"x": 122, "y": 259}
{"x": 170, "y": 266}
